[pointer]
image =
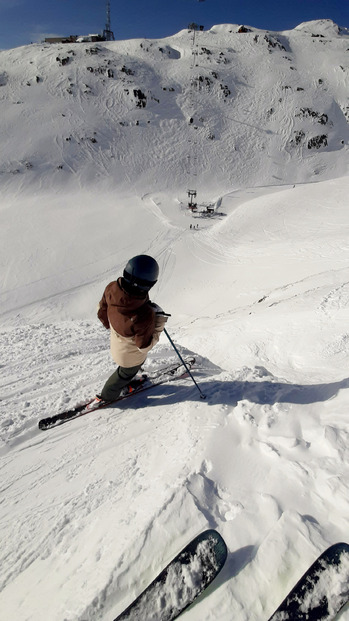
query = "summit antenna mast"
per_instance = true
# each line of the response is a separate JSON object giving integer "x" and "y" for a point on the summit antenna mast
{"x": 108, "y": 33}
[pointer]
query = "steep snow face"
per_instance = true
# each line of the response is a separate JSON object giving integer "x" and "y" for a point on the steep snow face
{"x": 92, "y": 510}
{"x": 220, "y": 109}
{"x": 97, "y": 153}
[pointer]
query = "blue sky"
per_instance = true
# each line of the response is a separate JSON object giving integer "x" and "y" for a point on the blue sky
{"x": 26, "y": 21}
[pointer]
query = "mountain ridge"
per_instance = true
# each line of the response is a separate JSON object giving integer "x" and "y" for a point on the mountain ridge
{"x": 244, "y": 108}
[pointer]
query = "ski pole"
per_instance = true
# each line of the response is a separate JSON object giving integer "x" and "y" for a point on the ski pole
{"x": 186, "y": 366}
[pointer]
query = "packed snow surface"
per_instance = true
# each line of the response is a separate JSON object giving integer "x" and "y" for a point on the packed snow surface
{"x": 258, "y": 292}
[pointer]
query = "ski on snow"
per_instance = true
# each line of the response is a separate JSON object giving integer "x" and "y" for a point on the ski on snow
{"x": 322, "y": 591}
{"x": 181, "y": 582}
{"x": 148, "y": 381}
{"x": 319, "y": 595}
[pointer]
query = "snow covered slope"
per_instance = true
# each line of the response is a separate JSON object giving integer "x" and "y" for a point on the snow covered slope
{"x": 259, "y": 293}
{"x": 119, "y": 112}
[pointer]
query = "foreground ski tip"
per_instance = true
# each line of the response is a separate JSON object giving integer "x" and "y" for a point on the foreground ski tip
{"x": 322, "y": 591}
{"x": 180, "y": 583}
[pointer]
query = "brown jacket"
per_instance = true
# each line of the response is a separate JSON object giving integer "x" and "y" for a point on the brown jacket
{"x": 134, "y": 325}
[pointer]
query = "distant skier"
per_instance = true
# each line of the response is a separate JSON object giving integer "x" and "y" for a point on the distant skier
{"x": 135, "y": 323}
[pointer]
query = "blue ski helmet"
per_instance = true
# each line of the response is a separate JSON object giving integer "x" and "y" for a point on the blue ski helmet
{"x": 141, "y": 272}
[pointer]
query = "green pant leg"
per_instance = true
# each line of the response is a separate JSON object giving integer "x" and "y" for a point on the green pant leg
{"x": 120, "y": 378}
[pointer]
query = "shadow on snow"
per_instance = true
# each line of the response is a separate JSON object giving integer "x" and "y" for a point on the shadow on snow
{"x": 231, "y": 392}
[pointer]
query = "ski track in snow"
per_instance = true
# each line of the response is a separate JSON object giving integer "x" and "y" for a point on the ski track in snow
{"x": 92, "y": 510}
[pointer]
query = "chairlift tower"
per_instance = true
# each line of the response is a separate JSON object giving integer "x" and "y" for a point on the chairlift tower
{"x": 107, "y": 32}
{"x": 191, "y": 195}
{"x": 193, "y": 104}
